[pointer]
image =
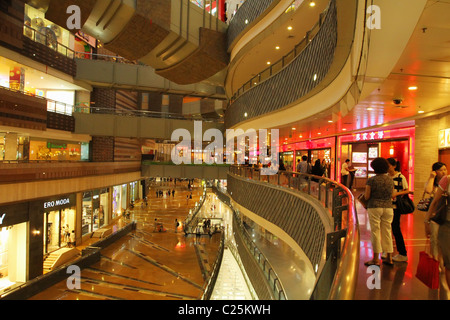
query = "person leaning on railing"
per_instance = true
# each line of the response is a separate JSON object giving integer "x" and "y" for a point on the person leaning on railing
{"x": 379, "y": 190}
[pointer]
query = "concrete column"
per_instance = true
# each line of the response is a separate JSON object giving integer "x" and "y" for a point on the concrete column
{"x": 11, "y": 146}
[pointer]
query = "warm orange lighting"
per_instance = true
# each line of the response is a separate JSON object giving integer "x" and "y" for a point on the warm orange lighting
{"x": 277, "y": 48}
{"x": 268, "y": 62}
{"x": 289, "y": 28}
{"x": 312, "y": 4}
{"x": 391, "y": 151}
{"x": 412, "y": 88}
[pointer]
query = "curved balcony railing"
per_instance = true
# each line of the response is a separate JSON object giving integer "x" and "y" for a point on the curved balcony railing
{"x": 252, "y": 256}
{"x": 248, "y": 12}
{"x": 304, "y": 72}
{"x": 338, "y": 278}
{"x": 283, "y": 62}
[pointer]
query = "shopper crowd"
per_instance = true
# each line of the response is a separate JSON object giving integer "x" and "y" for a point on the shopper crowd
{"x": 384, "y": 196}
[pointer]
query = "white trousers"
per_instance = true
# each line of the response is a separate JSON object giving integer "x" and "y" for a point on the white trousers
{"x": 380, "y": 220}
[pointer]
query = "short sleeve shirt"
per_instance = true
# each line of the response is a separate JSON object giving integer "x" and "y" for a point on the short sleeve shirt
{"x": 381, "y": 187}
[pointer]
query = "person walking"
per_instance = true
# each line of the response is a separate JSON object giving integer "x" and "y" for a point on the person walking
{"x": 378, "y": 192}
{"x": 400, "y": 188}
{"x": 438, "y": 171}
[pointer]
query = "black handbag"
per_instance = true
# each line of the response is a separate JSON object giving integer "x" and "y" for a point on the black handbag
{"x": 441, "y": 210}
{"x": 405, "y": 205}
{"x": 424, "y": 203}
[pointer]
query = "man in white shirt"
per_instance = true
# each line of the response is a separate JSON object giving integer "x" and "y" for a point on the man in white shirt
{"x": 344, "y": 172}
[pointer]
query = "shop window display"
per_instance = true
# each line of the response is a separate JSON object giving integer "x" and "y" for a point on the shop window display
{"x": 13, "y": 256}
{"x": 46, "y": 32}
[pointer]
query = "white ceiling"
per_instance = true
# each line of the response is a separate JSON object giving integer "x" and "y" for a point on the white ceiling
{"x": 425, "y": 63}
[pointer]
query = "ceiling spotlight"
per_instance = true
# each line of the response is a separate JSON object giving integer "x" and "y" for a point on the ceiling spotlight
{"x": 268, "y": 62}
{"x": 412, "y": 88}
{"x": 312, "y": 4}
{"x": 277, "y": 48}
{"x": 289, "y": 28}
{"x": 421, "y": 111}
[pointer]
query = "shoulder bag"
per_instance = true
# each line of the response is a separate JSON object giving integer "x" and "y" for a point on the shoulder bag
{"x": 424, "y": 203}
{"x": 404, "y": 203}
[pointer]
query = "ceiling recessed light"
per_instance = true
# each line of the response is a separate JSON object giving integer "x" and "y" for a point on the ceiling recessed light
{"x": 294, "y": 128}
{"x": 369, "y": 109}
{"x": 289, "y": 28}
{"x": 312, "y": 4}
{"x": 421, "y": 111}
{"x": 268, "y": 62}
{"x": 330, "y": 121}
{"x": 412, "y": 88}
{"x": 277, "y": 48}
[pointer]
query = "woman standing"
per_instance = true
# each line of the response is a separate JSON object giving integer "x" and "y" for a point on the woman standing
{"x": 400, "y": 188}
{"x": 439, "y": 170}
{"x": 379, "y": 190}
{"x": 444, "y": 229}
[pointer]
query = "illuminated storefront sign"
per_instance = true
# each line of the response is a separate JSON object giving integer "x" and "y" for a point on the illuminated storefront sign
{"x": 444, "y": 138}
{"x": 378, "y": 135}
{"x": 60, "y": 202}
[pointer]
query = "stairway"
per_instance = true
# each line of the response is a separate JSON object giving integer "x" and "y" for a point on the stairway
{"x": 59, "y": 257}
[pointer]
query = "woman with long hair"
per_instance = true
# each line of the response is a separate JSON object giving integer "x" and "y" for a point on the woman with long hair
{"x": 400, "y": 188}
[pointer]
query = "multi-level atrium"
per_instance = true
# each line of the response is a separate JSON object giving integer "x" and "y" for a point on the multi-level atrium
{"x": 159, "y": 150}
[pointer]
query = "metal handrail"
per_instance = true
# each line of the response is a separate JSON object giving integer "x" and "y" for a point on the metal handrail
{"x": 143, "y": 113}
{"x": 347, "y": 227}
{"x": 281, "y": 63}
{"x": 45, "y": 40}
{"x": 276, "y": 286}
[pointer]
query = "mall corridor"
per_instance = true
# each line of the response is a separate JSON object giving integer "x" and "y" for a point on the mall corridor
{"x": 147, "y": 264}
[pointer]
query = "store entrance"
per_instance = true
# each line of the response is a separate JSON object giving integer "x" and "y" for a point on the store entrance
{"x": 58, "y": 225}
{"x": 13, "y": 256}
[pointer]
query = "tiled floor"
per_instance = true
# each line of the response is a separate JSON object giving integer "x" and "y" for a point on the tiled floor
{"x": 398, "y": 282}
{"x": 148, "y": 265}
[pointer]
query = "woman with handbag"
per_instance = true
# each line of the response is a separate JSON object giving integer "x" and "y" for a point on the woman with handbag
{"x": 379, "y": 190}
{"x": 444, "y": 227}
{"x": 439, "y": 170}
{"x": 400, "y": 188}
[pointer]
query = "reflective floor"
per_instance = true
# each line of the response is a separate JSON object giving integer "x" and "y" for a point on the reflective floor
{"x": 398, "y": 282}
{"x": 147, "y": 264}
{"x": 151, "y": 265}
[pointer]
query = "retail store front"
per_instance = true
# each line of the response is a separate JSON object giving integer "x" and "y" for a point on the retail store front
{"x": 13, "y": 246}
{"x": 318, "y": 149}
{"x": 95, "y": 210}
{"x": 59, "y": 221}
{"x": 362, "y": 148}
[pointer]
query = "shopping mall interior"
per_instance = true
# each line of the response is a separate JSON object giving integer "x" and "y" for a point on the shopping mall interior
{"x": 214, "y": 150}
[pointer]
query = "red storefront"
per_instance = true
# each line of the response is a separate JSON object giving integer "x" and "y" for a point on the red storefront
{"x": 322, "y": 149}
{"x": 362, "y": 147}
